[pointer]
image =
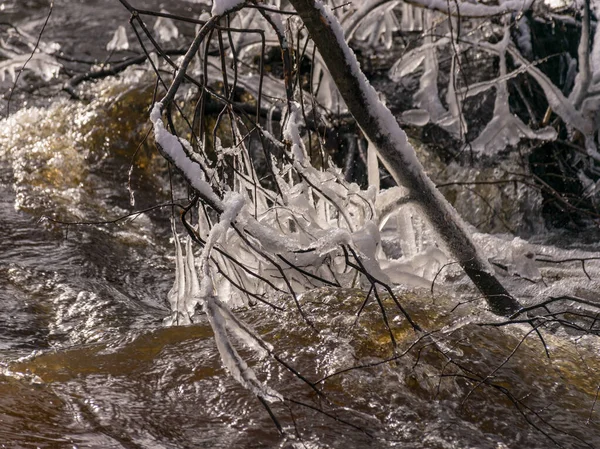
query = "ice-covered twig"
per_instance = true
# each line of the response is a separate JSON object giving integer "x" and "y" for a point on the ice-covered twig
{"x": 220, "y": 7}
{"x": 236, "y": 366}
{"x": 557, "y": 101}
{"x": 188, "y": 292}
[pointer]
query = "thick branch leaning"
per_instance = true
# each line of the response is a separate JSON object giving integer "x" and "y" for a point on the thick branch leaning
{"x": 380, "y": 126}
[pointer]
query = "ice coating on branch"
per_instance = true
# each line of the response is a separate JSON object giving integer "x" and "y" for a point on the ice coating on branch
{"x": 233, "y": 203}
{"x": 378, "y": 109}
{"x": 236, "y": 366}
{"x": 506, "y": 129}
{"x": 222, "y": 6}
{"x": 291, "y": 133}
{"x": 560, "y": 105}
{"x": 173, "y": 148}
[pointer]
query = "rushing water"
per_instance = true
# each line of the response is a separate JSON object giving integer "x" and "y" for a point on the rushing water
{"x": 85, "y": 360}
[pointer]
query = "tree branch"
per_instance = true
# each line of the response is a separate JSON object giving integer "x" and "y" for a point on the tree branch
{"x": 380, "y": 126}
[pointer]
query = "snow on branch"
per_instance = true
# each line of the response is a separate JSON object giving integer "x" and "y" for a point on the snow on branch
{"x": 179, "y": 152}
{"x": 381, "y": 127}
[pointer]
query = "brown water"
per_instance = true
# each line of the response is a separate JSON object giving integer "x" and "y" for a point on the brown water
{"x": 86, "y": 362}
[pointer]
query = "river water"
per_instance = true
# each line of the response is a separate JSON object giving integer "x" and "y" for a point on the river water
{"x": 86, "y": 362}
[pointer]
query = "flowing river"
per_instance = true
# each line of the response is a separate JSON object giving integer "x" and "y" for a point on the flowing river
{"x": 86, "y": 361}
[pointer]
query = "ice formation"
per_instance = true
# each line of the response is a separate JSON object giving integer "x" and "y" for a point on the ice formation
{"x": 45, "y": 66}
{"x": 292, "y": 238}
{"x": 221, "y": 321}
{"x": 428, "y": 97}
{"x": 177, "y": 154}
{"x": 474, "y": 9}
{"x": 119, "y": 40}
{"x": 188, "y": 294}
{"x": 506, "y": 129}
{"x": 378, "y": 26}
{"x": 302, "y": 231}
{"x": 166, "y": 29}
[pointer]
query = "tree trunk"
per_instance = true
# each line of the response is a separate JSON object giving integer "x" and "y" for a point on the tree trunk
{"x": 398, "y": 156}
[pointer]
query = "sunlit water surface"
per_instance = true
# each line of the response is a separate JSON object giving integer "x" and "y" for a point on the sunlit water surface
{"x": 85, "y": 360}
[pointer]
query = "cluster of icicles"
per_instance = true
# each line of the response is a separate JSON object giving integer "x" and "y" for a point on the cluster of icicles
{"x": 267, "y": 245}
{"x": 282, "y": 242}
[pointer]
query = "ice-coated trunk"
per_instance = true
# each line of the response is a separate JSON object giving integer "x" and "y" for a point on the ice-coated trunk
{"x": 397, "y": 154}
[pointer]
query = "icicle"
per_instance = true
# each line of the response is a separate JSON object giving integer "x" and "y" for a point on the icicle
{"x": 166, "y": 29}
{"x": 193, "y": 285}
{"x": 372, "y": 166}
{"x": 177, "y": 294}
{"x": 406, "y": 232}
{"x": 236, "y": 366}
{"x": 119, "y": 40}
{"x": 427, "y": 97}
{"x": 291, "y": 133}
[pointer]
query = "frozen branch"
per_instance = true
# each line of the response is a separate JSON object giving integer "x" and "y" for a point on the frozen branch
{"x": 380, "y": 126}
